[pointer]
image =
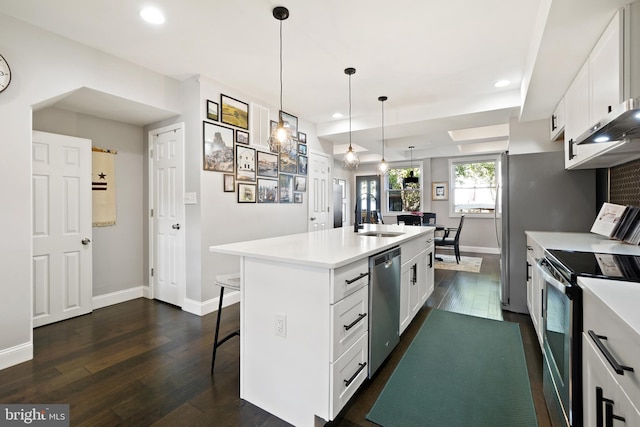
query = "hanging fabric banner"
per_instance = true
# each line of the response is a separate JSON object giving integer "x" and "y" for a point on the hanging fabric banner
{"x": 103, "y": 186}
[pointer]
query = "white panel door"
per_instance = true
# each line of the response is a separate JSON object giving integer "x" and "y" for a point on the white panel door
{"x": 168, "y": 215}
{"x": 319, "y": 187}
{"x": 61, "y": 227}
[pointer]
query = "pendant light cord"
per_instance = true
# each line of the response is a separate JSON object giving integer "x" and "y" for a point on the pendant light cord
{"x": 382, "y": 129}
{"x": 281, "y": 65}
{"x": 349, "y": 110}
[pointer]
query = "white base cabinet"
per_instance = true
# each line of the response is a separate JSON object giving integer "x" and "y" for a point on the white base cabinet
{"x": 416, "y": 278}
{"x": 611, "y": 353}
{"x": 535, "y": 286}
{"x": 605, "y": 402}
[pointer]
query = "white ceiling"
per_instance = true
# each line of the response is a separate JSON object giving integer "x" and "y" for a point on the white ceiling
{"x": 437, "y": 61}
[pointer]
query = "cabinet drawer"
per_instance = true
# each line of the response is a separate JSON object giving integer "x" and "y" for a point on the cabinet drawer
{"x": 622, "y": 342}
{"x": 350, "y": 319}
{"x": 347, "y": 374}
{"x": 412, "y": 248}
{"x": 601, "y": 390}
{"x": 349, "y": 278}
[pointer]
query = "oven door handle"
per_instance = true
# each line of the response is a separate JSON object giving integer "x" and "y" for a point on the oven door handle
{"x": 549, "y": 278}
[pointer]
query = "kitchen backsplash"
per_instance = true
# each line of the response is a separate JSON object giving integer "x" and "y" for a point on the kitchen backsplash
{"x": 624, "y": 184}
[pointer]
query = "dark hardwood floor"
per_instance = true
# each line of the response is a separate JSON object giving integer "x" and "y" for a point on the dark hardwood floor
{"x": 144, "y": 363}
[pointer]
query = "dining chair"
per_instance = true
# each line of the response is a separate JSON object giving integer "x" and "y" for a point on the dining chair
{"x": 448, "y": 240}
{"x": 428, "y": 218}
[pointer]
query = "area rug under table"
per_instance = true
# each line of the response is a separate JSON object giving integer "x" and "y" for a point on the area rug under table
{"x": 467, "y": 263}
{"x": 459, "y": 370}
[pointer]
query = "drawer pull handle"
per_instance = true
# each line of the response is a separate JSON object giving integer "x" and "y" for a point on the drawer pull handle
{"x": 357, "y": 278}
{"x": 600, "y": 399}
{"x": 609, "y": 416}
{"x": 352, "y": 324}
{"x": 353, "y": 377}
{"x": 612, "y": 361}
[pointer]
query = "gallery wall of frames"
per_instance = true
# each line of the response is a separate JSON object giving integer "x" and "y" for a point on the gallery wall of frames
{"x": 256, "y": 173}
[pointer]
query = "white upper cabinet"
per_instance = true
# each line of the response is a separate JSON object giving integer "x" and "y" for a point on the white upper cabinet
{"x": 605, "y": 66}
{"x": 599, "y": 87}
{"x": 557, "y": 122}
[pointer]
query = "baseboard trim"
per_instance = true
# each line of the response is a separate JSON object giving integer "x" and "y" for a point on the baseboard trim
{"x": 117, "y": 297}
{"x": 15, "y": 355}
{"x": 209, "y": 306}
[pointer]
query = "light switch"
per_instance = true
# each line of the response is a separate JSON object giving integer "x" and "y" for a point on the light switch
{"x": 190, "y": 199}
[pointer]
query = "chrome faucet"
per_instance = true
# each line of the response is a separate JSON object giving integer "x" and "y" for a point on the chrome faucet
{"x": 356, "y": 220}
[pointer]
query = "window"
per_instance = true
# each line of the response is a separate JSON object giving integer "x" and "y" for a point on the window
{"x": 401, "y": 196}
{"x": 473, "y": 188}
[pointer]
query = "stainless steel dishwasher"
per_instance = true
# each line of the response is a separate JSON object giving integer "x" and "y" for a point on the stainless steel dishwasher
{"x": 384, "y": 306}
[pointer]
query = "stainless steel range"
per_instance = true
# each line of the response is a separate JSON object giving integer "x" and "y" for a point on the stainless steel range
{"x": 562, "y": 311}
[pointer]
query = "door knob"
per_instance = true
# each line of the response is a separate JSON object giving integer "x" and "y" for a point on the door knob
{"x": 313, "y": 218}
{"x": 176, "y": 226}
{"x": 86, "y": 241}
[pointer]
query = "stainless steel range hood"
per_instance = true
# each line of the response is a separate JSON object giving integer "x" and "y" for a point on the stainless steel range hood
{"x": 623, "y": 122}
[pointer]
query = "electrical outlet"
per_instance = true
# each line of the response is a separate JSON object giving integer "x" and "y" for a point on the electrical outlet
{"x": 281, "y": 325}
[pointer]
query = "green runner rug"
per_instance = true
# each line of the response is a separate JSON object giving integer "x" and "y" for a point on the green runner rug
{"x": 459, "y": 371}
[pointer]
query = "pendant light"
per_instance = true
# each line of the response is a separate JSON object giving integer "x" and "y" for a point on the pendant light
{"x": 280, "y": 139}
{"x": 383, "y": 167}
{"x": 350, "y": 160}
{"x": 410, "y": 179}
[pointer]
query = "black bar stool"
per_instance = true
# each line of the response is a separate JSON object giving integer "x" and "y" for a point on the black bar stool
{"x": 231, "y": 281}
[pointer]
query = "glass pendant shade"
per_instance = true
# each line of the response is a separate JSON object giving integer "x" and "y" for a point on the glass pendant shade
{"x": 280, "y": 139}
{"x": 350, "y": 160}
{"x": 383, "y": 167}
{"x": 410, "y": 179}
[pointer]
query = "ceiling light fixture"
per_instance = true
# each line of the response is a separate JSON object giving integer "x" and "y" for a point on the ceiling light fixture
{"x": 383, "y": 167}
{"x": 410, "y": 179}
{"x": 281, "y": 139}
{"x": 152, "y": 15}
{"x": 350, "y": 160}
{"x": 502, "y": 83}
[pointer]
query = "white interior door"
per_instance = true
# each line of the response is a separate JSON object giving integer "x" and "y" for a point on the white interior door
{"x": 319, "y": 187}
{"x": 61, "y": 227}
{"x": 168, "y": 263}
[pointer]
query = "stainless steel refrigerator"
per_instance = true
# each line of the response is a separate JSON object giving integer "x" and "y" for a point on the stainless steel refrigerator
{"x": 536, "y": 193}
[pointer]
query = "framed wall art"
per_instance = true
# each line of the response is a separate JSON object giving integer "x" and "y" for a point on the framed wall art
{"x": 246, "y": 193}
{"x": 218, "y": 147}
{"x": 229, "y": 183}
{"x": 288, "y": 163}
{"x": 267, "y": 190}
{"x": 300, "y": 184}
{"x": 297, "y": 197}
{"x": 302, "y": 137}
{"x": 303, "y": 162}
{"x": 234, "y": 112}
{"x": 212, "y": 110}
{"x": 267, "y": 164}
{"x": 245, "y": 163}
{"x": 439, "y": 191}
{"x": 291, "y": 122}
{"x": 302, "y": 149}
{"x": 242, "y": 137}
{"x": 285, "y": 188}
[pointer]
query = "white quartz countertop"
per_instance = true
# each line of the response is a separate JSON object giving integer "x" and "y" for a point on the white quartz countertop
{"x": 331, "y": 248}
{"x": 585, "y": 242}
{"x": 621, "y": 297}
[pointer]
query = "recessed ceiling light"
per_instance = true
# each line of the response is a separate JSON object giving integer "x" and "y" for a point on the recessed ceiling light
{"x": 502, "y": 83}
{"x": 152, "y": 15}
{"x": 337, "y": 115}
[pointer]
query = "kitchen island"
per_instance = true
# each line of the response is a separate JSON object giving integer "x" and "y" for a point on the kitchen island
{"x": 305, "y": 310}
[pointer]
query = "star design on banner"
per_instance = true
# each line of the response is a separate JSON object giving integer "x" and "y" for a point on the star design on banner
{"x": 102, "y": 176}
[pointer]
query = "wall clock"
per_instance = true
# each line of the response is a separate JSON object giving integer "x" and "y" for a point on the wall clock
{"x": 5, "y": 74}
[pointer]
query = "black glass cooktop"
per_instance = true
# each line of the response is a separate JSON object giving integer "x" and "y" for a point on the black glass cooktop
{"x": 598, "y": 265}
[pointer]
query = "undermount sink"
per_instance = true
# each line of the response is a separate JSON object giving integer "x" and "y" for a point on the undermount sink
{"x": 381, "y": 234}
